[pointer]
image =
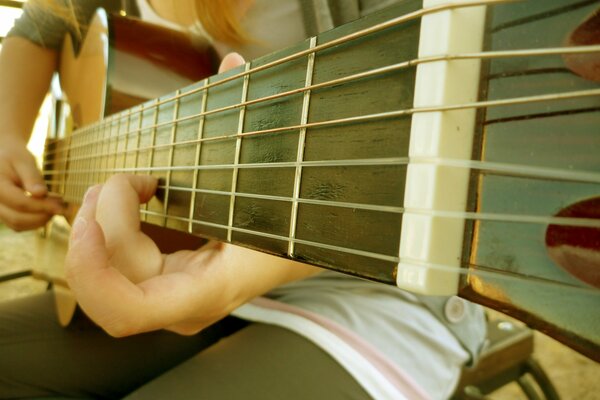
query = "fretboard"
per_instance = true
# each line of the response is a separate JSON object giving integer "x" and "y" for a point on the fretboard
{"x": 302, "y": 153}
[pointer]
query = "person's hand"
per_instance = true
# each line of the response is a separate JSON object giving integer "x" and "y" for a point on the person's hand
{"x": 124, "y": 283}
{"x": 24, "y": 201}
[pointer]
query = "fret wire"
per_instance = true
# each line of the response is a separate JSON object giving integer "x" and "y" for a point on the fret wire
{"x": 238, "y": 150}
{"x": 483, "y": 216}
{"x": 396, "y": 67}
{"x": 108, "y": 139}
{"x": 65, "y": 165}
{"x": 104, "y": 150}
{"x": 84, "y": 163}
{"x": 93, "y": 160}
{"x": 152, "y": 141}
{"x": 198, "y": 153}
{"x": 67, "y": 177}
{"x": 70, "y": 166}
{"x": 72, "y": 179}
{"x": 506, "y": 168}
{"x": 127, "y": 126}
{"x": 116, "y": 125}
{"x": 349, "y": 37}
{"x": 171, "y": 154}
{"x": 300, "y": 152}
{"x": 138, "y": 137}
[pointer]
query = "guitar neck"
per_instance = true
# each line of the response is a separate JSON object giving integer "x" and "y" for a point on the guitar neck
{"x": 404, "y": 148}
{"x": 248, "y": 156}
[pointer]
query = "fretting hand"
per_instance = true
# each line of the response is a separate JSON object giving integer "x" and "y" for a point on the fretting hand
{"x": 124, "y": 283}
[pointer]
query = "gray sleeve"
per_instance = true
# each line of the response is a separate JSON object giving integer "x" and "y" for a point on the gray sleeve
{"x": 41, "y": 26}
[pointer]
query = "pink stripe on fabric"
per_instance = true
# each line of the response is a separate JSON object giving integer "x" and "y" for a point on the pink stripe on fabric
{"x": 402, "y": 381}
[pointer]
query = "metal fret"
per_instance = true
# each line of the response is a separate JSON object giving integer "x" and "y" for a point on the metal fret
{"x": 152, "y": 143}
{"x": 85, "y": 163}
{"x": 197, "y": 158}
{"x": 139, "y": 137}
{"x": 238, "y": 148}
{"x": 75, "y": 165}
{"x": 94, "y": 161}
{"x": 301, "y": 142}
{"x": 105, "y": 149}
{"x": 116, "y": 125}
{"x": 171, "y": 151}
{"x": 67, "y": 165}
{"x": 127, "y": 126}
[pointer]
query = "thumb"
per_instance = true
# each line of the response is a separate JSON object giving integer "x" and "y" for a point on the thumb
{"x": 230, "y": 61}
{"x": 30, "y": 176}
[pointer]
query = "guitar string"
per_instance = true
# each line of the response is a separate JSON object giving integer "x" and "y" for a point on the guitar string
{"x": 474, "y": 270}
{"x": 324, "y": 46}
{"x": 480, "y": 216}
{"x": 511, "y": 169}
{"x": 354, "y": 119}
{"x": 481, "y": 270}
{"x": 119, "y": 118}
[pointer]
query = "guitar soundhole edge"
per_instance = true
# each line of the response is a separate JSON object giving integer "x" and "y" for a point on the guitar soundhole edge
{"x": 575, "y": 248}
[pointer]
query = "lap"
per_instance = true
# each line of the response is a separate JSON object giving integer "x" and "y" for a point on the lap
{"x": 231, "y": 359}
{"x": 258, "y": 362}
{"x": 41, "y": 358}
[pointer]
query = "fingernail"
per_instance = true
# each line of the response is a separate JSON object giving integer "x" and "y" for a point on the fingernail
{"x": 37, "y": 190}
{"x": 78, "y": 229}
{"x": 88, "y": 194}
{"x": 38, "y": 187}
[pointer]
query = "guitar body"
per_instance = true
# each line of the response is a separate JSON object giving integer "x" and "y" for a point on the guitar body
{"x": 450, "y": 150}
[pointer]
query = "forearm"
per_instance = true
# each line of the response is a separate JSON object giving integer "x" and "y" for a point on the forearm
{"x": 252, "y": 273}
{"x": 25, "y": 73}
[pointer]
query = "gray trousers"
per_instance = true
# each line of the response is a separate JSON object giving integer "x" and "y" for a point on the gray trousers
{"x": 230, "y": 360}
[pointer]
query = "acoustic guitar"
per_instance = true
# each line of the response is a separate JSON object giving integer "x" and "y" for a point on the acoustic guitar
{"x": 446, "y": 147}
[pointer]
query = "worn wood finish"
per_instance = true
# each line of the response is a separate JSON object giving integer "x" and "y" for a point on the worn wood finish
{"x": 545, "y": 134}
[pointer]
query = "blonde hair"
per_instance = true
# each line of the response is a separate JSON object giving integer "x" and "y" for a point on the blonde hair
{"x": 220, "y": 19}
